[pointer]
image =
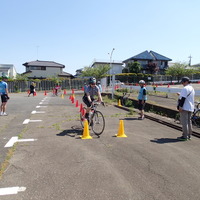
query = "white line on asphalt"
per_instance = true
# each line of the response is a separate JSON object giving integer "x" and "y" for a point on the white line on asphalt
{"x": 11, "y": 142}
{"x": 41, "y": 106}
{"x": 34, "y": 112}
{"x": 11, "y": 190}
{"x": 44, "y": 102}
{"x": 15, "y": 139}
{"x": 26, "y": 121}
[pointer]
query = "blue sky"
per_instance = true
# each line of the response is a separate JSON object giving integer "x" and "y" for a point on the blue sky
{"x": 75, "y": 32}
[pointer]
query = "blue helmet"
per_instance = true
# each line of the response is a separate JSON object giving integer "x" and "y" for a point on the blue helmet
{"x": 92, "y": 80}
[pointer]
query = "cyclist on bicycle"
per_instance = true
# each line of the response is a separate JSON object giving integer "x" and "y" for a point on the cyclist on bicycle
{"x": 88, "y": 98}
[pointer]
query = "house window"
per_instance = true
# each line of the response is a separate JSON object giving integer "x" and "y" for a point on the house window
{"x": 37, "y": 68}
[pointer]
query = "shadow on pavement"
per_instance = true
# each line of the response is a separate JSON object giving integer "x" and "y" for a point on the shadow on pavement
{"x": 131, "y": 118}
{"x": 165, "y": 140}
{"x": 74, "y": 131}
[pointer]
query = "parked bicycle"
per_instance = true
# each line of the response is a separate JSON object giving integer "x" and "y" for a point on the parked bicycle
{"x": 195, "y": 118}
{"x": 96, "y": 119}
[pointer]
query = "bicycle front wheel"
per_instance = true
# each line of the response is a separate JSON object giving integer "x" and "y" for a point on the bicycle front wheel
{"x": 98, "y": 123}
{"x": 196, "y": 119}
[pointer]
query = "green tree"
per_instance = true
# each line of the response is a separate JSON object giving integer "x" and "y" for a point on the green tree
{"x": 98, "y": 72}
{"x": 134, "y": 67}
{"x": 179, "y": 70}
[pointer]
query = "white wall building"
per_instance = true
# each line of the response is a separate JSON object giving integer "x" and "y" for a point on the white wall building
{"x": 8, "y": 70}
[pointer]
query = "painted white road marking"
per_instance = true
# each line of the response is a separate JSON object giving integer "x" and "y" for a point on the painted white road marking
{"x": 41, "y": 106}
{"x": 26, "y": 121}
{"x": 34, "y": 112}
{"x": 11, "y": 142}
{"x": 11, "y": 190}
{"x": 15, "y": 139}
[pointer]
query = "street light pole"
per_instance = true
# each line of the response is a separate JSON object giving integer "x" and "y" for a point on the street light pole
{"x": 111, "y": 63}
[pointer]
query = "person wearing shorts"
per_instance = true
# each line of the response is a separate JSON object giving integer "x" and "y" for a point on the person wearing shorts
{"x": 4, "y": 95}
{"x": 142, "y": 97}
{"x": 91, "y": 91}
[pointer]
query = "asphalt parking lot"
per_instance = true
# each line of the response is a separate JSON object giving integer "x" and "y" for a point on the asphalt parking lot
{"x": 56, "y": 164}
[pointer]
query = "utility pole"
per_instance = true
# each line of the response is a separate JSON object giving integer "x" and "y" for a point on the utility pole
{"x": 190, "y": 58}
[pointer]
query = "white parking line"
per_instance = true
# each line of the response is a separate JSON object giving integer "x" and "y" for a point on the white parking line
{"x": 26, "y": 121}
{"x": 15, "y": 139}
{"x": 34, "y": 112}
{"x": 41, "y": 106}
{"x": 11, "y": 190}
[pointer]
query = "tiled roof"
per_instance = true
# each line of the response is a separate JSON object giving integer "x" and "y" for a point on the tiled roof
{"x": 148, "y": 56}
{"x": 159, "y": 57}
{"x": 43, "y": 63}
{"x": 142, "y": 56}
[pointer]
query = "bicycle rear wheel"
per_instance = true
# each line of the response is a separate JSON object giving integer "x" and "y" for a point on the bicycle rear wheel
{"x": 196, "y": 119}
{"x": 97, "y": 123}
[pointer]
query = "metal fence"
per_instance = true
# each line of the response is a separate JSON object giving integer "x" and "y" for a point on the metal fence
{"x": 23, "y": 86}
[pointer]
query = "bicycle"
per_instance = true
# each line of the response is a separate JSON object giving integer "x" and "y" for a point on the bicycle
{"x": 96, "y": 119}
{"x": 195, "y": 118}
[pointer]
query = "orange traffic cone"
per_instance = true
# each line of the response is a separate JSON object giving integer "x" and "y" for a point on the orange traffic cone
{"x": 81, "y": 107}
{"x": 86, "y": 133}
{"x": 35, "y": 94}
{"x": 77, "y": 103}
{"x": 45, "y": 93}
{"x": 121, "y": 129}
{"x": 83, "y": 111}
{"x": 72, "y": 98}
{"x": 65, "y": 92}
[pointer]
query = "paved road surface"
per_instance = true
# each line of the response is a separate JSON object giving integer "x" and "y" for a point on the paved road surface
{"x": 150, "y": 164}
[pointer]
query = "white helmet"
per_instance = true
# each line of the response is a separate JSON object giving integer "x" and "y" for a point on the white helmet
{"x": 141, "y": 82}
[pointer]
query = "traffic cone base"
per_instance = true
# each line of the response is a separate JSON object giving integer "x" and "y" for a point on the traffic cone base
{"x": 86, "y": 133}
{"x": 119, "y": 103}
{"x": 121, "y": 129}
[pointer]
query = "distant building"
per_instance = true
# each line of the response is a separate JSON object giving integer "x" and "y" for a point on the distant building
{"x": 151, "y": 62}
{"x": 116, "y": 66}
{"x": 44, "y": 69}
{"x": 8, "y": 70}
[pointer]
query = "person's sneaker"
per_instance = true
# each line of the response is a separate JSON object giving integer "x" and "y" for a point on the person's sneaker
{"x": 182, "y": 138}
{"x": 1, "y": 113}
{"x": 141, "y": 118}
{"x": 189, "y": 138}
{"x": 4, "y": 114}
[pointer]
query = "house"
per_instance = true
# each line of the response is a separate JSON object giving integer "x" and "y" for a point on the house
{"x": 43, "y": 69}
{"x": 116, "y": 66}
{"x": 8, "y": 70}
{"x": 151, "y": 62}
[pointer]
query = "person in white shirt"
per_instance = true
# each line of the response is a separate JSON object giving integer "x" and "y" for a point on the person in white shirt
{"x": 186, "y": 107}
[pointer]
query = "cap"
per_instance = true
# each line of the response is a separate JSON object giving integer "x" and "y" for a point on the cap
{"x": 185, "y": 79}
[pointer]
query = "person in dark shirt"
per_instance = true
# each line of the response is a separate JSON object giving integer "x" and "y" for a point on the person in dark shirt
{"x": 32, "y": 89}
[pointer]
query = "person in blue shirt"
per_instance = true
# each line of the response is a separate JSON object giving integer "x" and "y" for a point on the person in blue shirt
{"x": 4, "y": 95}
{"x": 142, "y": 97}
{"x": 99, "y": 85}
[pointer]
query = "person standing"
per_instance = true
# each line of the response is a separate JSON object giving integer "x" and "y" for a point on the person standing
{"x": 4, "y": 95}
{"x": 32, "y": 89}
{"x": 99, "y": 85}
{"x": 186, "y": 108}
{"x": 142, "y": 97}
